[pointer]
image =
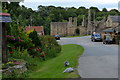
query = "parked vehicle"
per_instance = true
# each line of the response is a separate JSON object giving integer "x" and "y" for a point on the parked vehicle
{"x": 96, "y": 37}
{"x": 57, "y": 37}
{"x": 108, "y": 39}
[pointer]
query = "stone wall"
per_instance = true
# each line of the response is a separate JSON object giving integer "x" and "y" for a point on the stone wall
{"x": 59, "y": 28}
{"x": 66, "y": 28}
{"x": 21, "y": 68}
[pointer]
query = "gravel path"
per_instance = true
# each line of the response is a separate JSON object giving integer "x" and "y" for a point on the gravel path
{"x": 98, "y": 60}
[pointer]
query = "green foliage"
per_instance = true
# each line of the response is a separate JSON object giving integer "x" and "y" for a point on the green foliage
{"x": 50, "y": 46}
{"x": 99, "y": 18}
{"x": 80, "y": 19}
{"x": 14, "y": 75}
{"x": 18, "y": 54}
{"x": 35, "y": 39}
{"x": 104, "y": 10}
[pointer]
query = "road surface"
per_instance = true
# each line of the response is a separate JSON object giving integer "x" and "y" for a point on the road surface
{"x": 98, "y": 60}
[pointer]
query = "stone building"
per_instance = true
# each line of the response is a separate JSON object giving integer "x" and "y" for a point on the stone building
{"x": 112, "y": 21}
{"x": 69, "y": 28}
{"x": 109, "y": 22}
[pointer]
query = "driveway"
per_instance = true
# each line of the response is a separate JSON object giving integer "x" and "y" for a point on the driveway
{"x": 98, "y": 60}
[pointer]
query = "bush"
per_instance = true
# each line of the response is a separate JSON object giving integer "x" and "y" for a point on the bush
{"x": 18, "y": 54}
{"x": 50, "y": 46}
{"x": 35, "y": 39}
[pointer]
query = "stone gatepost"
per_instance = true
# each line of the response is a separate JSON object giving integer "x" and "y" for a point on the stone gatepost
{"x": 4, "y": 18}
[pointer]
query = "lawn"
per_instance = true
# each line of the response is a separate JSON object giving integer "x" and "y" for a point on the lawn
{"x": 54, "y": 68}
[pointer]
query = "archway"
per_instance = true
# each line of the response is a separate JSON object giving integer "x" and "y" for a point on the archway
{"x": 77, "y": 32}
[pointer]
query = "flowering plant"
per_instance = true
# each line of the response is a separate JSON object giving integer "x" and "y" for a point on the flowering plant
{"x": 42, "y": 54}
{"x": 12, "y": 39}
{"x": 34, "y": 51}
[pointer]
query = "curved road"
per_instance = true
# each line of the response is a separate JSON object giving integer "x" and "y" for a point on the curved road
{"x": 98, "y": 60}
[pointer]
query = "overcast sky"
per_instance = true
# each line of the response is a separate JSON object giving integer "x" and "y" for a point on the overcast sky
{"x": 109, "y": 4}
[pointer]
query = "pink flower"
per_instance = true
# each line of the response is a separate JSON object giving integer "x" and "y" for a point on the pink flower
{"x": 12, "y": 36}
{"x": 7, "y": 36}
{"x": 13, "y": 39}
{"x": 18, "y": 37}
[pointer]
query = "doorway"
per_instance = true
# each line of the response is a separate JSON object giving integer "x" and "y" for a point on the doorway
{"x": 77, "y": 32}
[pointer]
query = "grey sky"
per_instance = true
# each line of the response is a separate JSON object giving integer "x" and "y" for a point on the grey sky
{"x": 109, "y": 4}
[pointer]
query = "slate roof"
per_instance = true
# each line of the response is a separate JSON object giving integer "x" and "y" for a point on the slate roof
{"x": 115, "y": 18}
{"x": 108, "y": 30}
{"x": 5, "y": 17}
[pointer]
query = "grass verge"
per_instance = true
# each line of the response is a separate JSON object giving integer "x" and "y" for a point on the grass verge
{"x": 54, "y": 68}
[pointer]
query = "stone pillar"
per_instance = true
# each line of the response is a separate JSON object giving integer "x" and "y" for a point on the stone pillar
{"x": 4, "y": 44}
{"x": 1, "y": 49}
{"x": 70, "y": 21}
{"x": 75, "y": 22}
{"x": 83, "y": 22}
{"x": 89, "y": 26}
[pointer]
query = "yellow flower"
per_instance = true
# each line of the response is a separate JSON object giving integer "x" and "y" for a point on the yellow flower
{"x": 3, "y": 64}
{"x": 9, "y": 62}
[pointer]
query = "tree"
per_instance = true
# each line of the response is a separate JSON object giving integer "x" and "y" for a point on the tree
{"x": 71, "y": 12}
{"x": 82, "y": 11}
{"x": 114, "y": 10}
{"x": 104, "y": 10}
{"x": 94, "y": 9}
{"x": 35, "y": 39}
{"x": 80, "y": 19}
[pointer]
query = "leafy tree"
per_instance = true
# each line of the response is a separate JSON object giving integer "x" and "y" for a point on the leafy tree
{"x": 94, "y": 9}
{"x": 114, "y": 10}
{"x": 104, "y": 10}
{"x": 71, "y": 12}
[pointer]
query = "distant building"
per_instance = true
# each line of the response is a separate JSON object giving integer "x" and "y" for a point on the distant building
{"x": 109, "y": 22}
{"x": 112, "y": 21}
{"x": 69, "y": 28}
{"x": 38, "y": 29}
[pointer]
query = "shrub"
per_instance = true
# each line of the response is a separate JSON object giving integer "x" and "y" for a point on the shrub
{"x": 35, "y": 39}
{"x": 18, "y": 54}
{"x": 50, "y": 46}
{"x": 34, "y": 51}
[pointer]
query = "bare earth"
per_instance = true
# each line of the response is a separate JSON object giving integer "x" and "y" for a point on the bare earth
{"x": 98, "y": 60}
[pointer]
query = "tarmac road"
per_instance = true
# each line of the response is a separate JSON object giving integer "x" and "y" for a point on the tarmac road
{"x": 98, "y": 60}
